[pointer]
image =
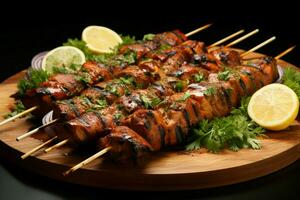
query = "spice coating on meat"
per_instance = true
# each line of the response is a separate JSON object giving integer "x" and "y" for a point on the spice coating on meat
{"x": 126, "y": 144}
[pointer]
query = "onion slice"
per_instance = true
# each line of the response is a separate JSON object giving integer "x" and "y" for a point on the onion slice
{"x": 36, "y": 62}
{"x": 47, "y": 118}
{"x": 280, "y": 73}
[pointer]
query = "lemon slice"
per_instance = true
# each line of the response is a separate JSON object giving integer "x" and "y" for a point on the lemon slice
{"x": 274, "y": 107}
{"x": 63, "y": 56}
{"x": 100, "y": 39}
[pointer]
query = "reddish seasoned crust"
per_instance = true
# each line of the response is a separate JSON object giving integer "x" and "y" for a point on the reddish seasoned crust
{"x": 171, "y": 38}
{"x": 141, "y": 76}
{"x": 226, "y": 56}
{"x": 126, "y": 144}
{"x": 97, "y": 71}
{"x": 89, "y": 127}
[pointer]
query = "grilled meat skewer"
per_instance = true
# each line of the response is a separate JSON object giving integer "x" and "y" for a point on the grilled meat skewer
{"x": 161, "y": 129}
{"x": 62, "y": 86}
{"x": 108, "y": 92}
{"x": 172, "y": 115}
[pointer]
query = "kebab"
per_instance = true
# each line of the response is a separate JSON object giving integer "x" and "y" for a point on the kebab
{"x": 114, "y": 133}
{"x": 66, "y": 141}
{"x": 64, "y": 86}
{"x": 109, "y": 91}
{"x": 150, "y": 66}
{"x": 87, "y": 127}
{"x": 148, "y": 130}
{"x": 207, "y": 62}
{"x": 189, "y": 34}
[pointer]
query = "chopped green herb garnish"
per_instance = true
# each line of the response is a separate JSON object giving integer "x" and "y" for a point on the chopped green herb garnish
{"x": 146, "y": 101}
{"x": 224, "y": 76}
{"x": 128, "y": 58}
{"x": 155, "y": 101}
{"x": 184, "y": 97}
{"x": 111, "y": 88}
{"x": 117, "y": 117}
{"x": 59, "y": 70}
{"x": 86, "y": 101}
{"x": 127, "y": 91}
{"x": 120, "y": 106}
{"x": 100, "y": 104}
{"x": 140, "y": 85}
{"x": 33, "y": 81}
{"x": 164, "y": 47}
{"x": 84, "y": 78}
{"x": 149, "y": 36}
{"x": 149, "y": 103}
{"x": 210, "y": 91}
{"x": 18, "y": 108}
{"x": 179, "y": 86}
{"x": 127, "y": 39}
{"x": 127, "y": 80}
{"x": 198, "y": 77}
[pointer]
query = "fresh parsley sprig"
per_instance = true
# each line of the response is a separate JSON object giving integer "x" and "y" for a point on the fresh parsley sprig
{"x": 106, "y": 58}
{"x": 18, "y": 108}
{"x": 234, "y": 132}
{"x": 36, "y": 76}
{"x": 291, "y": 78}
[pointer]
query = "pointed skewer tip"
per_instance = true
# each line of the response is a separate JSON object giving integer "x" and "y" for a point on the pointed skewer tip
{"x": 88, "y": 160}
{"x": 18, "y": 115}
{"x": 197, "y": 30}
{"x": 35, "y": 130}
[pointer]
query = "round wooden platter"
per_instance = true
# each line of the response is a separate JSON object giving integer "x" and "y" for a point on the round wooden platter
{"x": 161, "y": 171}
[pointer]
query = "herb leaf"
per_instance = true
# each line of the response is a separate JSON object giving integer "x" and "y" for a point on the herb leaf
{"x": 198, "y": 77}
{"x": 210, "y": 91}
{"x": 179, "y": 86}
{"x": 149, "y": 103}
{"x": 18, "y": 108}
{"x": 149, "y": 36}
{"x": 224, "y": 76}
{"x": 33, "y": 81}
{"x": 184, "y": 97}
{"x": 234, "y": 132}
{"x": 291, "y": 78}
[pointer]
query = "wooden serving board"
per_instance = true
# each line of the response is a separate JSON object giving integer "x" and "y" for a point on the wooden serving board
{"x": 162, "y": 171}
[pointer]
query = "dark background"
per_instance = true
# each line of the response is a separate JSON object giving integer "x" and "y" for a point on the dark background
{"x": 27, "y": 30}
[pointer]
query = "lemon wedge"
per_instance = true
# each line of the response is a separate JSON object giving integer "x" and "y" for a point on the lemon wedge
{"x": 100, "y": 39}
{"x": 63, "y": 56}
{"x": 274, "y": 106}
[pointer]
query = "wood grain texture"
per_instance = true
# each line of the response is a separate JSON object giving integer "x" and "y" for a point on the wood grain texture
{"x": 161, "y": 171}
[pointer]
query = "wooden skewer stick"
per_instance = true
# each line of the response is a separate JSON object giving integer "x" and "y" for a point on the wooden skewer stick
{"x": 242, "y": 38}
{"x": 285, "y": 52}
{"x": 56, "y": 145}
{"x": 259, "y": 46}
{"x": 34, "y": 130}
{"x": 18, "y": 115}
{"x": 226, "y": 38}
{"x": 88, "y": 160}
{"x": 38, "y": 148}
{"x": 197, "y": 30}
